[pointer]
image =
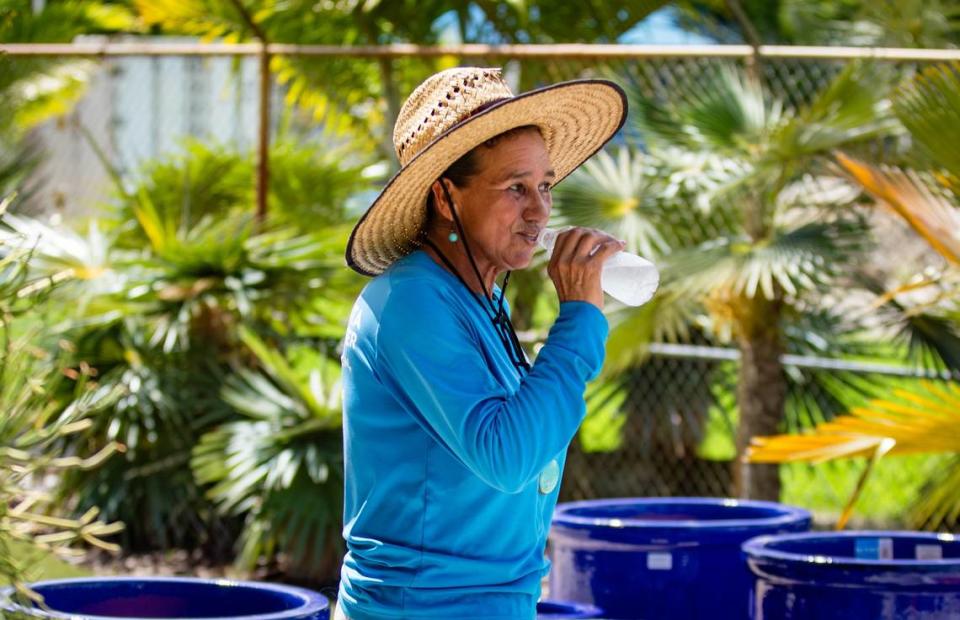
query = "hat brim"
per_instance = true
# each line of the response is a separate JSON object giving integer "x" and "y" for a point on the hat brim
{"x": 575, "y": 118}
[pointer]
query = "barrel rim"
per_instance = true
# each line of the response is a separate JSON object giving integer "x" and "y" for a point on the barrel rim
{"x": 785, "y": 514}
{"x": 569, "y": 606}
{"x": 311, "y": 602}
{"x": 756, "y": 548}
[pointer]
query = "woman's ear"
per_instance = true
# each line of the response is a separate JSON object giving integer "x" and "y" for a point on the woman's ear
{"x": 440, "y": 201}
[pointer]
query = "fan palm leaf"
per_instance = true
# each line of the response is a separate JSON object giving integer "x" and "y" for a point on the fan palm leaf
{"x": 670, "y": 316}
{"x": 168, "y": 401}
{"x": 850, "y": 110}
{"x": 930, "y": 333}
{"x": 783, "y": 235}
{"x": 278, "y": 467}
{"x": 792, "y": 262}
{"x": 617, "y": 193}
{"x": 209, "y": 19}
{"x": 61, "y": 253}
{"x": 928, "y": 108}
{"x": 916, "y": 199}
{"x": 928, "y": 203}
{"x": 920, "y": 419}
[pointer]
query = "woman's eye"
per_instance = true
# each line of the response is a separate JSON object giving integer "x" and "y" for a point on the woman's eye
{"x": 545, "y": 188}
{"x": 517, "y": 188}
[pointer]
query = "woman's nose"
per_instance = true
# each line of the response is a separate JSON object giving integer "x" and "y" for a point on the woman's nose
{"x": 539, "y": 205}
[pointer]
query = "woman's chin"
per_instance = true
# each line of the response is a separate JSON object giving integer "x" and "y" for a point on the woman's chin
{"x": 521, "y": 260}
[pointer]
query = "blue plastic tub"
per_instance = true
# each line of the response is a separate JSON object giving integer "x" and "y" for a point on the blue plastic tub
{"x": 656, "y": 558}
{"x": 99, "y": 598}
{"x": 565, "y": 609}
{"x": 840, "y": 575}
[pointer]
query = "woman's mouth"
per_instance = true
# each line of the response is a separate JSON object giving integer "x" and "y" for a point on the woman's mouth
{"x": 530, "y": 238}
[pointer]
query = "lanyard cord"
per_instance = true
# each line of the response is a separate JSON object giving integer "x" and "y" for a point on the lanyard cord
{"x": 501, "y": 322}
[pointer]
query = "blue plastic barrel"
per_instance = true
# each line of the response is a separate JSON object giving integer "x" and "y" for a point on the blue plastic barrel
{"x": 98, "y": 598}
{"x": 565, "y": 609}
{"x": 656, "y": 558}
{"x": 841, "y": 575}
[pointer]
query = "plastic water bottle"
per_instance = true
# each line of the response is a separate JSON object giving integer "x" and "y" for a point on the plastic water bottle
{"x": 626, "y": 277}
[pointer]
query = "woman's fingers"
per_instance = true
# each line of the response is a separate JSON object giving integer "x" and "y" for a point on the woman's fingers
{"x": 607, "y": 249}
{"x": 577, "y": 261}
{"x": 566, "y": 244}
{"x": 580, "y": 242}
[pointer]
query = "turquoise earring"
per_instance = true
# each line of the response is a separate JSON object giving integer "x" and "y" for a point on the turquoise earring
{"x": 453, "y": 237}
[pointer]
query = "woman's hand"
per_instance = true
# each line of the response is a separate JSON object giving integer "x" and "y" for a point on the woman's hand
{"x": 576, "y": 262}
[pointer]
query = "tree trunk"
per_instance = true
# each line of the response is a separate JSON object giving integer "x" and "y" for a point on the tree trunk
{"x": 761, "y": 393}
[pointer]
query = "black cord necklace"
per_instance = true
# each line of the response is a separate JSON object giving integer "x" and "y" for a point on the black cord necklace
{"x": 500, "y": 320}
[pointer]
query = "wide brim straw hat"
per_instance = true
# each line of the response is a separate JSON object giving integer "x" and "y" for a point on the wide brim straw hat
{"x": 456, "y": 110}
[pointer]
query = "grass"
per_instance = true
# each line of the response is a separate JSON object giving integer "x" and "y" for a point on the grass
{"x": 892, "y": 488}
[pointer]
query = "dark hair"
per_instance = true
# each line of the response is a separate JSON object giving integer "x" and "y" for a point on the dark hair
{"x": 464, "y": 168}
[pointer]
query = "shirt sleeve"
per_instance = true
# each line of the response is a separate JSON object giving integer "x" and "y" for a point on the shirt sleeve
{"x": 433, "y": 362}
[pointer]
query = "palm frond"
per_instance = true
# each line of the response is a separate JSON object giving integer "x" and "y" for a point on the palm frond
{"x": 920, "y": 419}
{"x": 32, "y": 431}
{"x": 915, "y": 199}
{"x": 288, "y": 449}
{"x": 732, "y": 115}
{"x": 208, "y": 19}
{"x": 883, "y": 23}
{"x": 617, "y": 193}
{"x": 925, "y": 419}
{"x": 929, "y": 107}
{"x": 169, "y": 400}
{"x": 939, "y": 504}
{"x": 59, "y": 22}
{"x": 803, "y": 259}
{"x": 931, "y": 335}
{"x": 318, "y": 396}
{"x": 912, "y": 23}
{"x": 852, "y": 109}
{"x": 302, "y": 522}
{"x": 49, "y": 94}
{"x": 764, "y": 145}
{"x": 35, "y": 89}
{"x": 699, "y": 178}
{"x": 61, "y": 254}
{"x": 669, "y": 317}
{"x": 602, "y": 427}
{"x": 816, "y": 192}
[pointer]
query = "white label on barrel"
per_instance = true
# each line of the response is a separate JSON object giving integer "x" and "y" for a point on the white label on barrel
{"x": 873, "y": 549}
{"x": 929, "y": 552}
{"x": 659, "y": 561}
{"x": 885, "y": 549}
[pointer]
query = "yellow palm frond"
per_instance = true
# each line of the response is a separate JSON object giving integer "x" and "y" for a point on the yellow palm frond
{"x": 924, "y": 419}
{"x": 933, "y": 216}
{"x": 921, "y": 420}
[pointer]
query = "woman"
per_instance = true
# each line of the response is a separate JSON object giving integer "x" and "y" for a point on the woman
{"x": 453, "y": 442}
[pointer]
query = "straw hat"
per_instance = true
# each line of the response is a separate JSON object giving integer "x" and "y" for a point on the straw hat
{"x": 451, "y": 113}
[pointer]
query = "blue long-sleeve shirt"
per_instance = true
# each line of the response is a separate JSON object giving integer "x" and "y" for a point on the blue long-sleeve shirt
{"x": 451, "y": 461}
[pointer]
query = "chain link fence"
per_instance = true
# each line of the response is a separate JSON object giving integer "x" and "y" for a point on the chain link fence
{"x": 673, "y": 434}
{"x": 138, "y": 106}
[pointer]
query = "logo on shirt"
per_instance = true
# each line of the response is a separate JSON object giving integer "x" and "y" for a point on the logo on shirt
{"x": 549, "y": 477}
